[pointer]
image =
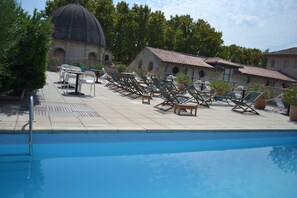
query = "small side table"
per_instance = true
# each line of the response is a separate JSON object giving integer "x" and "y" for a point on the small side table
{"x": 191, "y": 107}
{"x": 146, "y": 99}
{"x": 97, "y": 72}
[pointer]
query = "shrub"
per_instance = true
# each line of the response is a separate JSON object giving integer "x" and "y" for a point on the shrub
{"x": 121, "y": 68}
{"x": 99, "y": 66}
{"x": 26, "y": 41}
{"x": 183, "y": 79}
{"x": 290, "y": 95}
{"x": 80, "y": 65}
{"x": 11, "y": 33}
{"x": 268, "y": 92}
{"x": 220, "y": 85}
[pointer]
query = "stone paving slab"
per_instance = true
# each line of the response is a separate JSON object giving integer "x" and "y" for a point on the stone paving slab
{"x": 111, "y": 110}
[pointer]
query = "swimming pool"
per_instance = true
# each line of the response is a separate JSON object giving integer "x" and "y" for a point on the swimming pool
{"x": 219, "y": 164}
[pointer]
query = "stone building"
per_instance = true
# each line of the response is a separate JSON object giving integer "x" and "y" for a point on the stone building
{"x": 284, "y": 61}
{"x": 163, "y": 63}
{"x": 78, "y": 37}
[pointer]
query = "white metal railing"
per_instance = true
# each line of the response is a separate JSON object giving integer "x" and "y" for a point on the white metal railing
{"x": 31, "y": 118}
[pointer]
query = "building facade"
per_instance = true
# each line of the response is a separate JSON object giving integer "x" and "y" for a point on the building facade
{"x": 284, "y": 61}
{"x": 163, "y": 63}
{"x": 78, "y": 37}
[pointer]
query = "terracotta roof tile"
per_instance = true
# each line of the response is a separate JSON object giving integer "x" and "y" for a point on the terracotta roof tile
{"x": 256, "y": 71}
{"x": 290, "y": 51}
{"x": 179, "y": 58}
{"x": 215, "y": 60}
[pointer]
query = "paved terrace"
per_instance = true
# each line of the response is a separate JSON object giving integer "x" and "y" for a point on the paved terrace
{"x": 110, "y": 110}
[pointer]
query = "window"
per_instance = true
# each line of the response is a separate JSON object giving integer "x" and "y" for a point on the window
{"x": 295, "y": 65}
{"x": 248, "y": 80}
{"x": 272, "y": 63}
{"x": 150, "y": 66}
{"x": 106, "y": 58}
{"x": 227, "y": 73}
{"x": 286, "y": 63}
{"x": 92, "y": 59}
{"x": 201, "y": 73}
{"x": 59, "y": 55}
{"x": 140, "y": 64}
{"x": 175, "y": 70}
{"x": 92, "y": 56}
{"x": 267, "y": 83}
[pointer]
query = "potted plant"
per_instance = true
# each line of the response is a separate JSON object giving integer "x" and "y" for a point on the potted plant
{"x": 121, "y": 68}
{"x": 99, "y": 66}
{"x": 53, "y": 64}
{"x": 268, "y": 93}
{"x": 290, "y": 97}
{"x": 81, "y": 66}
{"x": 220, "y": 86}
{"x": 182, "y": 81}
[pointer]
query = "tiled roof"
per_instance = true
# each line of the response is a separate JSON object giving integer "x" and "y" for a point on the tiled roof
{"x": 179, "y": 58}
{"x": 215, "y": 60}
{"x": 256, "y": 71}
{"x": 290, "y": 51}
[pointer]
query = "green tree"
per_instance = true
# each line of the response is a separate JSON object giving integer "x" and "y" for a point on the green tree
{"x": 24, "y": 60}
{"x": 31, "y": 64}
{"x": 207, "y": 41}
{"x": 11, "y": 33}
{"x": 155, "y": 29}
{"x": 246, "y": 56}
{"x": 104, "y": 11}
{"x": 182, "y": 28}
{"x": 141, "y": 16}
{"x": 52, "y": 5}
{"x": 199, "y": 38}
{"x": 124, "y": 40}
{"x": 169, "y": 35}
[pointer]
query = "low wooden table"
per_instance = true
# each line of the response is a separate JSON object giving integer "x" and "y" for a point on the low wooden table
{"x": 191, "y": 107}
{"x": 146, "y": 99}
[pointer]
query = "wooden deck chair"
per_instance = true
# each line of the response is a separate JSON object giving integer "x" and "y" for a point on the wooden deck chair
{"x": 138, "y": 88}
{"x": 151, "y": 87}
{"x": 236, "y": 94}
{"x": 171, "y": 87}
{"x": 126, "y": 85}
{"x": 245, "y": 105}
{"x": 201, "y": 99}
{"x": 169, "y": 99}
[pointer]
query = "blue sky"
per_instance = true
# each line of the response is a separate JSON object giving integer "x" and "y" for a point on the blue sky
{"x": 263, "y": 24}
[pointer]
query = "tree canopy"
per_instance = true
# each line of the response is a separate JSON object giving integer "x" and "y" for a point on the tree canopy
{"x": 24, "y": 45}
{"x": 129, "y": 30}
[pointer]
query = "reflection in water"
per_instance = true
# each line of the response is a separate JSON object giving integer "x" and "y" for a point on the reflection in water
{"x": 20, "y": 176}
{"x": 235, "y": 172}
{"x": 285, "y": 157}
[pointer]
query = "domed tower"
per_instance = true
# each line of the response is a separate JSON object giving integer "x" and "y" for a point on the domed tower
{"x": 78, "y": 37}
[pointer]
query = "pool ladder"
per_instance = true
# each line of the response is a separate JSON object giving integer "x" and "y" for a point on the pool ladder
{"x": 31, "y": 118}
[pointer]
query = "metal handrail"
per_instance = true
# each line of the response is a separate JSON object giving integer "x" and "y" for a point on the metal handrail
{"x": 31, "y": 118}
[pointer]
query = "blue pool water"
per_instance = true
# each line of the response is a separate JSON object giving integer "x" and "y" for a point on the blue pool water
{"x": 150, "y": 165}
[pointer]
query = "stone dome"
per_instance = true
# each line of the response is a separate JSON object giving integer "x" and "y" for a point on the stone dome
{"x": 74, "y": 22}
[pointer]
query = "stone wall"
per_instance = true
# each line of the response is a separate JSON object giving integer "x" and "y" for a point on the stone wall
{"x": 76, "y": 52}
{"x": 277, "y": 63}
